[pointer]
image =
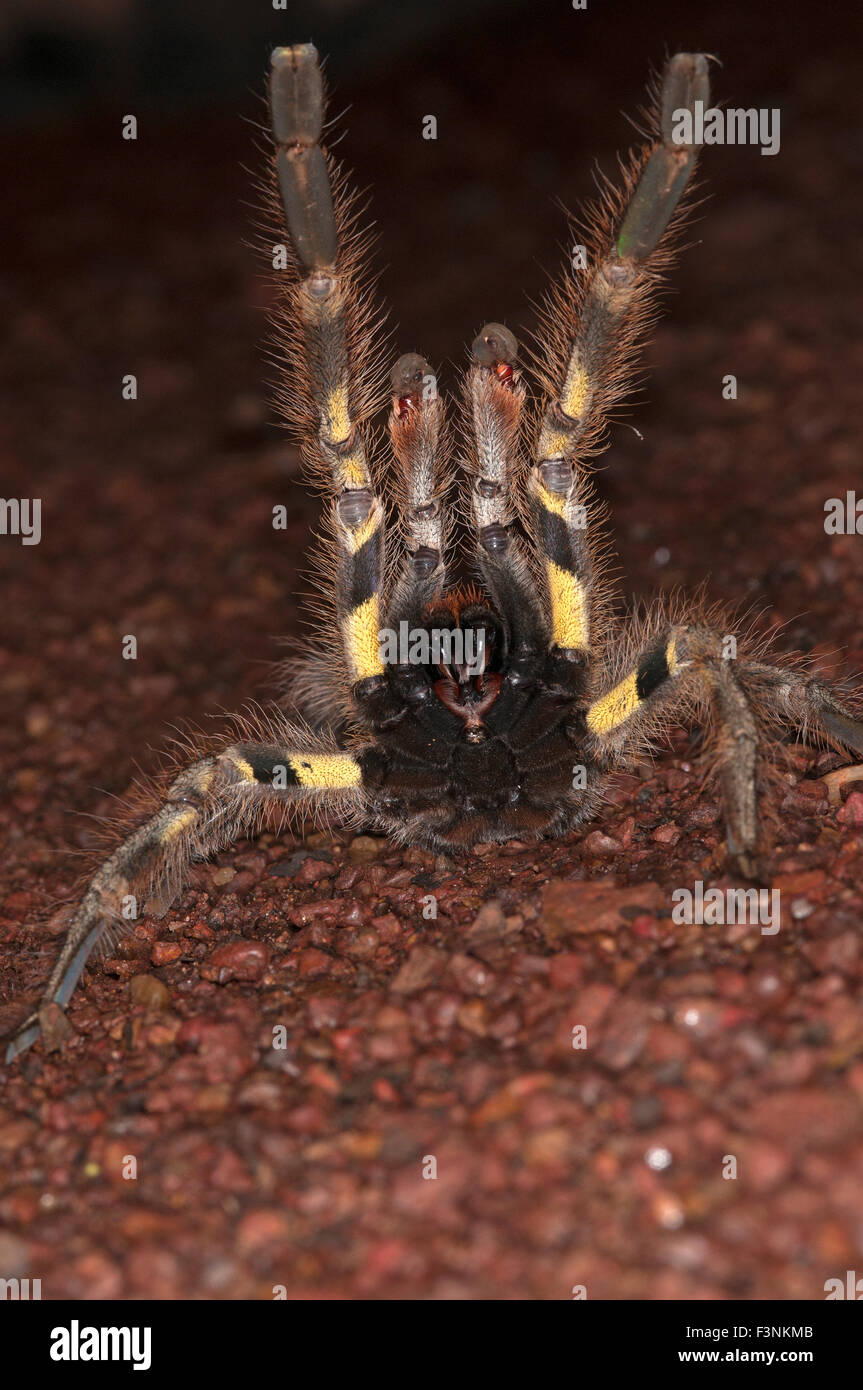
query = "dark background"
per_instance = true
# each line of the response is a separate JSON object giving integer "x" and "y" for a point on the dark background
{"x": 120, "y": 257}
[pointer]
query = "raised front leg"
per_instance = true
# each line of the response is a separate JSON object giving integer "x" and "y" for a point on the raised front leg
{"x": 326, "y": 331}
{"x": 594, "y": 322}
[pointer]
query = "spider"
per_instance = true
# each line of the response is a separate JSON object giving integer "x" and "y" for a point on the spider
{"x": 412, "y": 738}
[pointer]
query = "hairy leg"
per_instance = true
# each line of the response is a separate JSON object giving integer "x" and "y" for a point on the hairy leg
{"x": 594, "y": 322}
{"x": 684, "y": 666}
{"x": 326, "y": 337}
{"x": 210, "y": 804}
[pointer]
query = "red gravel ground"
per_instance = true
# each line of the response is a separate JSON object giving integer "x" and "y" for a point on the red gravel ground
{"x": 409, "y": 1039}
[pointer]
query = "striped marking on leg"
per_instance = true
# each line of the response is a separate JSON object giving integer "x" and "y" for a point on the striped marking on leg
{"x": 323, "y": 298}
{"x": 269, "y": 764}
{"x": 360, "y": 630}
{"x": 624, "y": 699}
{"x": 360, "y": 521}
{"x": 565, "y": 563}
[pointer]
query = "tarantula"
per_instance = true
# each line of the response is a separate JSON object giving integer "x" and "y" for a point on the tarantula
{"x": 518, "y": 740}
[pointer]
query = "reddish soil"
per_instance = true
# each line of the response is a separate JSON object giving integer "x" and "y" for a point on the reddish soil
{"x": 409, "y": 1039}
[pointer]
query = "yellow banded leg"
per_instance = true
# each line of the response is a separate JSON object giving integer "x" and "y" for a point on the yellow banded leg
{"x": 657, "y": 665}
{"x": 695, "y": 656}
{"x": 360, "y": 537}
{"x": 561, "y": 536}
{"x": 603, "y": 308}
{"x": 325, "y": 303}
{"x": 325, "y": 298}
{"x": 206, "y": 807}
{"x": 616, "y": 299}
